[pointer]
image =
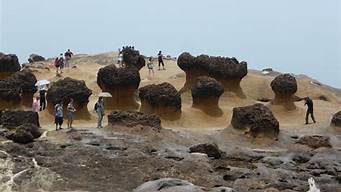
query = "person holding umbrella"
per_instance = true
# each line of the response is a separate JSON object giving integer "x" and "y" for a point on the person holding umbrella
{"x": 99, "y": 108}
{"x": 42, "y": 84}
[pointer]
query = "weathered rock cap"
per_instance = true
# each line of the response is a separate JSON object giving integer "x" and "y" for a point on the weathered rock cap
{"x": 111, "y": 77}
{"x": 25, "y": 80}
{"x": 12, "y": 119}
{"x": 132, "y": 58}
{"x": 9, "y": 63}
{"x": 35, "y": 58}
{"x": 206, "y": 87}
{"x": 67, "y": 88}
{"x": 284, "y": 84}
{"x": 161, "y": 95}
{"x": 133, "y": 118}
{"x": 227, "y": 68}
{"x": 336, "y": 120}
{"x": 211, "y": 149}
{"x": 258, "y": 118}
{"x": 188, "y": 62}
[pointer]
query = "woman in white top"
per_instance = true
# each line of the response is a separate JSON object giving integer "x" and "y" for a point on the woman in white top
{"x": 150, "y": 66}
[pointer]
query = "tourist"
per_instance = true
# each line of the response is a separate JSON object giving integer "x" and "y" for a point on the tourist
{"x": 61, "y": 62}
{"x": 70, "y": 110}
{"x": 310, "y": 110}
{"x": 56, "y": 64}
{"x": 160, "y": 59}
{"x": 36, "y": 104}
{"x": 58, "y": 115}
{"x": 120, "y": 58}
{"x": 99, "y": 108}
{"x": 68, "y": 54}
{"x": 150, "y": 66}
{"x": 42, "y": 95}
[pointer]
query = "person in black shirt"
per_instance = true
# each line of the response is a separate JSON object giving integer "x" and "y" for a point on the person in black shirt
{"x": 160, "y": 59}
{"x": 310, "y": 109}
{"x": 42, "y": 93}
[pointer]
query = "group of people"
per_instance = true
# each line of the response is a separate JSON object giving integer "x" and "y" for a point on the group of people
{"x": 59, "y": 116}
{"x": 39, "y": 102}
{"x": 63, "y": 61}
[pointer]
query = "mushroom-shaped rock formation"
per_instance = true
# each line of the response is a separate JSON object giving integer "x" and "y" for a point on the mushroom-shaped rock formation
{"x": 132, "y": 58}
{"x": 122, "y": 84}
{"x": 257, "y": 118}
{"x": 162, "y": 99}
{"x": 34, "y": 58}
{"x": 226, "y": 70}
{"x": 9, "y": 64}
{"x": 12, "y": 119}
{"x": 25, "y": 133}
{"x": 64, "y": 90}
{"x": 205, "y": 93}
{"x": 133, "y": 118}
{"x": 336, "y": 120}
{"x": 284, "y": 86}
{"x": 10, "y": 95}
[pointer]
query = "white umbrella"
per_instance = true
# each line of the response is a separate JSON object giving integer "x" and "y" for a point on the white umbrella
{"x": 104, "y": 94}
{"x": 41, "y": 83}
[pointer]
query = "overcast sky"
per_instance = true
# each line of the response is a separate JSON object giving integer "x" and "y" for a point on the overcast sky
{"x": 298, "y": 36}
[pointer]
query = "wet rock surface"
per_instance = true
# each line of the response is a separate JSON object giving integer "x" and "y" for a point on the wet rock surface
{"x": 257, "y": 118}
{"x": 122, "y": 83}
{"x": 12, "y": 119}
{"x": 35, "y": 58}
{"x": 315, "y": 141}
{"x": 336, "y": 120}
{"x": 65, "y": 89}
{"x": 162, "y": 99}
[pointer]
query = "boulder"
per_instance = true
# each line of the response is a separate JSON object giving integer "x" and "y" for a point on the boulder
{"x": 133, "y": 118}
{"x": 315, "y": 141}
{"x": 257, "y": 118}
{"x": 168, "y": 185}
{"x": 132, "y": 58}
{"x": 211, "y": 149}
{"x": 284, "y": 86}
{"x": 229, "y": 71}
{"x": 206, "y": 92}
{"x": 25, "y": 133}
{"x": 12, "y": 119}
{"x": 122, "y": 83}
{"x": 64, "y": 90}
{"x": 35, "y": 58}
{"x": 336, "y": 120}
{"x": 162, "y": 99}
{"x": 9, "y": 64}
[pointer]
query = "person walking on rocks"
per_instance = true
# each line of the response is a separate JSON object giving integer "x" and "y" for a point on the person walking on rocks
{"x": 160, "y": 59}
{"x": 58, "y": 115}
{"x": 99, "y": 108}
{"x": 61, "y": 62}
{"x": 70, "y": 110}
{"x": 310, "y": 109}
{"x": 68, "y": 55}
{"x": 42, "y": 94}
{"x": 150, "y": 66}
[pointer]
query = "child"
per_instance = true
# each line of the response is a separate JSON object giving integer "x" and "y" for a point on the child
{"x": 150, "y": 66}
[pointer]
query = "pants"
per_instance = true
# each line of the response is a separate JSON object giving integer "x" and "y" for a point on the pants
{"x": 42, "y": 104}
{"x": 311, "y": 112}
{"x": 161, "y": 63}
{"x": 100, "y": 118}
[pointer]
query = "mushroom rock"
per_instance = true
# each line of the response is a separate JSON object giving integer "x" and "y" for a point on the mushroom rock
{"x": 284, "y": 86}
{"x": 34, "y": 58}
{"x": 336, "y": 120}
{"x": 132, "y": 58}
{"x": 26, "y": 81}
{"x": 257, "y": 118}
{"x": 133, "y": 118}
{"x": 229, "y": 71}
{"x": 64, "y": 90}
{"x": 122, "y": 83}
{"x": 9, "y": 64}
{"x": 205, "y": 93}
{"x": 12, "y": 119}
{"x": 10, "y": 95}
{"x": 25, "y": 133}
{"x": 162, "y": 99}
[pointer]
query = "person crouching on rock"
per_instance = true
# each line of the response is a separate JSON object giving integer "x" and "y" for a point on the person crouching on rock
{"x": 150, "y": 66}
{"x": 58, "y": 115}
{"x": 99, "y": 108}
{"x": 310, "y": 110}
{"x": 70, "y": 110}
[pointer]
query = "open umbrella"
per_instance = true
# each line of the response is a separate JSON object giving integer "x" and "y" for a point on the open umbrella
{"x": 104, "y": 94}
{"x": 41, "y": 83}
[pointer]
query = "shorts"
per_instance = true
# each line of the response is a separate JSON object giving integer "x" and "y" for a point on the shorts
{"x": 58, "y": 120}
{"x": 69, "y": 115}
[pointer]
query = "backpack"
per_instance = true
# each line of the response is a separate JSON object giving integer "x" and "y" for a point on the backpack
{"x": 96, "y": 106}
{"x": 56, "y": 62}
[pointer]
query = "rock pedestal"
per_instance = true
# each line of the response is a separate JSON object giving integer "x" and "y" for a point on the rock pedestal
{"x": 284, "y": 86}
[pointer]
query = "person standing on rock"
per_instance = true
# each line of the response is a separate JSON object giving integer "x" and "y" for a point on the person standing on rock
{"x": 150, "y": 66}
{"x": 160, "y": 59}
{"x": 70, "y": 110}
{"x": 120, "y": 58}
{"x": 310, "y": 109}
{"x": 99, "y": 108}
{"x": 68, "y": 54}
{"x": 58, "y": 115}
{"x": 42, "y": 94}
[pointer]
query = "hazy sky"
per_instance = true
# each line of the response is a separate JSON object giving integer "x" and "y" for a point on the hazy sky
{"x": 299, "y": 36}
